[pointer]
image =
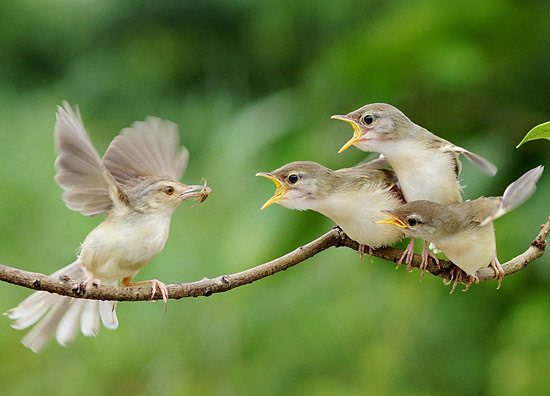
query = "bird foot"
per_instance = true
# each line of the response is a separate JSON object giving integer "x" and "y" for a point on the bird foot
{"x": 363, "y": 250}
{"x": 471, "y": 279}
{"x": 499, "y": 271}
{"x": 407, "y": 256}
{"x": 89, "y": 279}
{"x": 154, "y": 284}
{"x": 455, "y": 276}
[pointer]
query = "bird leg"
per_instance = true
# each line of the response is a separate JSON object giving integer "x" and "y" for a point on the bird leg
{"x": 154, "y": 284}
{"x": 499, "y": 271}
{"x": 362, "y": 251}
{"x": 471, "y": 279}
{"x": 407, "y": 255}
{"x": 89, "y": 279}
{"x": 425, "y": 255}
{"x": 455, "y": 276}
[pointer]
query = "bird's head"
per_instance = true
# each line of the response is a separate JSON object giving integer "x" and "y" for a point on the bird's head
{"x": 419, "y": 219}
{"x": 299, "y": 184}
{"x": 373, "y": 123}
{"x": 151, "y": 195}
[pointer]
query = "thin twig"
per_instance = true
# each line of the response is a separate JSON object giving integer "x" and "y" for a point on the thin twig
{"x": 206, "y": 287}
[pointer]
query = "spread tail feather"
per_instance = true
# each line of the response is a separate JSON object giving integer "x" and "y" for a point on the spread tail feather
{"x": 108, "y": 314}
{"x": 518, "y": 192}
{"x": 61, "y": 312}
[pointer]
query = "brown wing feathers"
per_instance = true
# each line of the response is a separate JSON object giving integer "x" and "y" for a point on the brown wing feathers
{"x": 148, "y": 148}
{"x": 80, "y": 172}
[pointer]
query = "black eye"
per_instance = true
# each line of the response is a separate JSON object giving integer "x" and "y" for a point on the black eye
{"x": 293, "y": 178}
{"x": 169, "y": 190}
{"x": 412, "y": 221}
{"x": 368, "y": 119}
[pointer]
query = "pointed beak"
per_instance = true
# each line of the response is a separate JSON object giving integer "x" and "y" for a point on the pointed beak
{"x": 279, "y": 193}
{"x": 200, "y": 191}
{"x": 393, "y": 220}
{"x": 356, "y": 131}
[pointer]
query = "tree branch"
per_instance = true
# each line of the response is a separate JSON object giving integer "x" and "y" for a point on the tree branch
{"x": 206, "y": 287}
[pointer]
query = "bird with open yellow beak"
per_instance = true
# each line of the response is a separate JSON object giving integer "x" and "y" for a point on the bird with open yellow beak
{"x": 464, "y": 231}
{"x": 351, "y": 197}
{"x": 426, "y": 165}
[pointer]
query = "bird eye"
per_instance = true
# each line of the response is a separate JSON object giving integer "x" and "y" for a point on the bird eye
{"x": 293, "y": 178}
{"x": 368, "y": 119}
{"x": 412, "y": 221}
{"x": 169, "y": 190}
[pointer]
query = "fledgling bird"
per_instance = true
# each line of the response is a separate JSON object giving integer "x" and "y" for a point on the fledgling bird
{"x": 351, "y": 197}
{"x": 426, "y": 165}
{"x": 137, "y": 185}
{"x": 464, "y": 231}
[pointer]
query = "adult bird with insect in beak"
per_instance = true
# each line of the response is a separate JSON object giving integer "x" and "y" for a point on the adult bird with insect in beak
{"x": 464, "y": 231}
{"x": 426, "y": 165}
{"x": 351, "y": 197}
{"x": 136, "y": 185}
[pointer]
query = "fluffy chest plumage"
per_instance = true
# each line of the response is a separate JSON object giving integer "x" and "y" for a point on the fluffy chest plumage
{"x": 357, "y": 213}
{"x": 120, "y": 246}
{"x": 424, "y": 172}
{"x": 469, "y": 249}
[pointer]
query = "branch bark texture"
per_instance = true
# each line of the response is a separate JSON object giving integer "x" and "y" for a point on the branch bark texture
{"x": 206, "y": 287}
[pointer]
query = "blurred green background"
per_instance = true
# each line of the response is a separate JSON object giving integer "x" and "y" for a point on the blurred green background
{"x": 252, "y": 85}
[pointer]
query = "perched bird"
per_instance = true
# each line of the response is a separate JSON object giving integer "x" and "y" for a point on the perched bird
{"x": 351, "y": 197}
{"x": 136, "y": 185}
{"x": 464, "y": 231}
{"x": 426, "y": 165}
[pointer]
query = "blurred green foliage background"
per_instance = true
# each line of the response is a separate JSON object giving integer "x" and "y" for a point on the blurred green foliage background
{"x": 252, "y": 85}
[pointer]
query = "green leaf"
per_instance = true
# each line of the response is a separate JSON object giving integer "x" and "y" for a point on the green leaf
{"x": 541, "y": 131}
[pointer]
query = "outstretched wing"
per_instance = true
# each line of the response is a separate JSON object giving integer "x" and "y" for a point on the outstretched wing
{"x": 89, "y": 188}
{"x": 148, "y": 148}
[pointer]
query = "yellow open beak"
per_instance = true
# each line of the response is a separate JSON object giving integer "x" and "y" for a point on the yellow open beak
{"x": 279, "y": 193}
{"x": 356, "y": 132}
{"x": 392, "y": 221}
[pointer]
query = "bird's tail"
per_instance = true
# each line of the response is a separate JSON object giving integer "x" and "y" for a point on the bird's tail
{"x": 518, "y": 192}
{"x": 63, "y": 313}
